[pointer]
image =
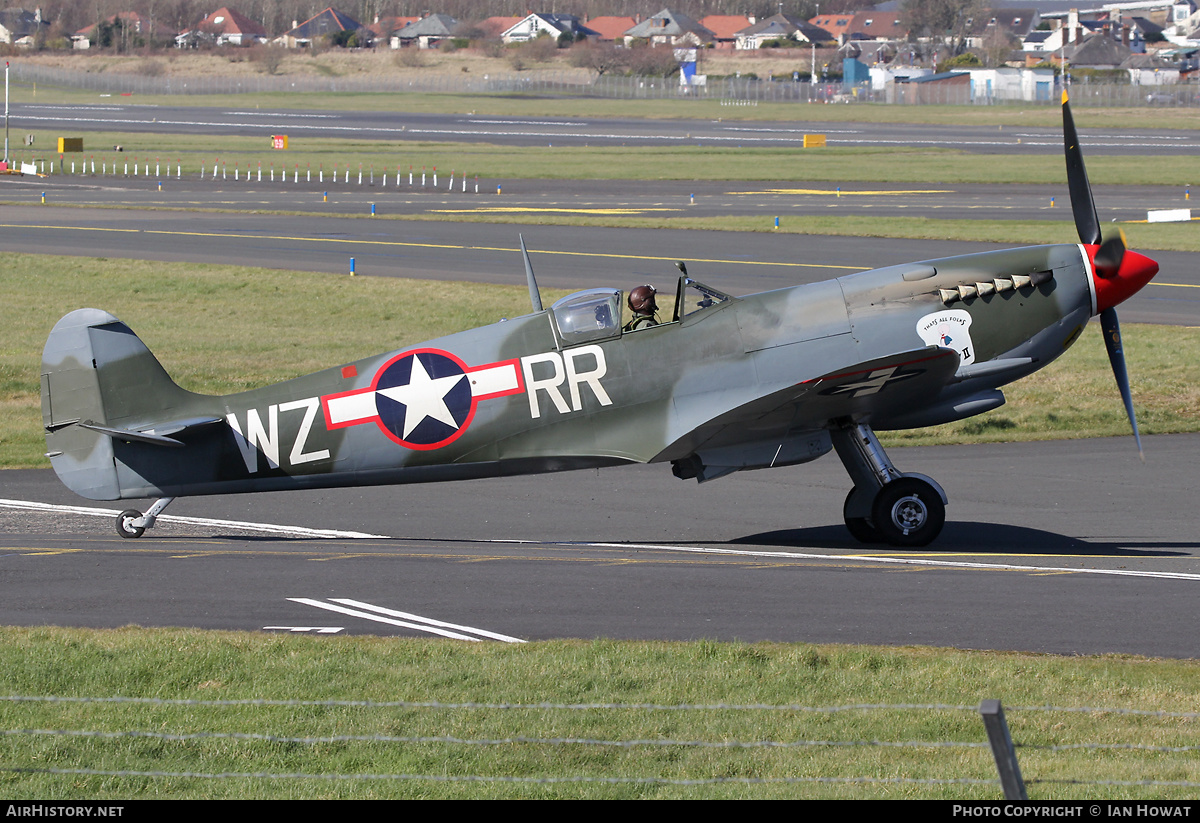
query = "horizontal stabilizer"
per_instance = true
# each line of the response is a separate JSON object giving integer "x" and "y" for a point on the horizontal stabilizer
{"x": 156, "y": 435}
{"x": 135, "y": 436}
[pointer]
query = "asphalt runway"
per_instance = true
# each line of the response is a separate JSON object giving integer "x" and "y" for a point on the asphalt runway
{"x": 1070, "y": 547}
{"x": 398, "y": 126}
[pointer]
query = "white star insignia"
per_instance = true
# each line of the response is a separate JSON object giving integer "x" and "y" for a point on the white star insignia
{"x": 423, "y": 397}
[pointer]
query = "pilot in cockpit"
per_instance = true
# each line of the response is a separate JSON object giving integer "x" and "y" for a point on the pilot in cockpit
{"x": 641, "y": 303}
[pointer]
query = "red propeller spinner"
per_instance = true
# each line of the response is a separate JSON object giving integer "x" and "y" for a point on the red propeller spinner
{"x": 1118, "y": 277}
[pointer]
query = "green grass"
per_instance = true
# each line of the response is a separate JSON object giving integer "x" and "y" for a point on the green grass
{"x": 215, "y": 666}
{"x": 220, "y": 329}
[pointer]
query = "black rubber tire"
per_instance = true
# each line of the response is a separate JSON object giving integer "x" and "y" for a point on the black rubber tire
{"x": 908, "y": 512}
{"x": 124, "y": 529}
{"x": 860, "y": 528}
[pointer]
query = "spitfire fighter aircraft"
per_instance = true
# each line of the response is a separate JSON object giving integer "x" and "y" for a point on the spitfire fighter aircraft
{"x": 724, "y": 384}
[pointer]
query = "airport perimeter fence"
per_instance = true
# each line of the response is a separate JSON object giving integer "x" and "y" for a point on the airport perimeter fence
{"x": 986, "y": 748}
{"x": 120, "y": 165}
{"x": 575, "y": 83}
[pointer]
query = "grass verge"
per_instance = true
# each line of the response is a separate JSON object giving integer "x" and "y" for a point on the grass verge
{"x": 220, "y": 329}
{"x": 838, "y": 165}
{"x": 215, "y": 666}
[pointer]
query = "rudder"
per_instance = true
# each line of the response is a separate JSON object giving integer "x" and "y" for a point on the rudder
{"x": 96, "y": 372}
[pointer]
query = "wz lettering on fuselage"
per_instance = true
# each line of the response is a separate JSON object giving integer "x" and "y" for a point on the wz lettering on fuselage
{"x": 424, "y": 399}
{"x": 257, "y": 437}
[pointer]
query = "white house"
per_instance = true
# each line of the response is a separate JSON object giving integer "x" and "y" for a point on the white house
{"x": 552, "y": 25}
{"x": 993, "y": 85}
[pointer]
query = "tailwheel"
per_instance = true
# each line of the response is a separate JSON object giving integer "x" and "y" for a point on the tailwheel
{"x": 860, "y": 528}
{"x": 125, "y": 524}
{"x": 908, "y": 512}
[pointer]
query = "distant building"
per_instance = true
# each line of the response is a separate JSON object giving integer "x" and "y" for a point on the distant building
{"x": 610, "y": 29}
{"x": 425, "y": 33}
{"x": 1013, "y": 23}
{"x": 862, "y": 25}
{"x": 19, "y": 27}
{"x": 670, "y": 28}
{"x": 725, "y": 28}
{"x": 225, "y": 26}
{"x": 383, "y": 27}
{"x": 328, "y": 22}
{"x": 951, "y": 87}
{"x": 781, "y": 27}
{"x": 88, "y": 36}
{"x": 549, "y": 25}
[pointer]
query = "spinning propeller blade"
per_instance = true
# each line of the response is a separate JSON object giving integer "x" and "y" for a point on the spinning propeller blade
{"x": 1109, "y": 256}
{"x": 1118, "y": 273}
{"x": 1116, "y": 356}
{"x": 1087, "y": 222}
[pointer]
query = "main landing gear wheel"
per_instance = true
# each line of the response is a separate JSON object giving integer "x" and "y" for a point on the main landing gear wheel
{"x": 908, "y": 512}
{"x": 125, "y": 521}
{"x": 860, "y": 528}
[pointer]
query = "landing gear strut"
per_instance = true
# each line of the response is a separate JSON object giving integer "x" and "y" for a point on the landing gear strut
{"x": 131, "y": 523}
{"x": 885, "y": 505}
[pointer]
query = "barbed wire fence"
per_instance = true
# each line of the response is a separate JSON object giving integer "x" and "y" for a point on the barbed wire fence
{"x": 794, "y": 88}
{"x": 994, "y": 736}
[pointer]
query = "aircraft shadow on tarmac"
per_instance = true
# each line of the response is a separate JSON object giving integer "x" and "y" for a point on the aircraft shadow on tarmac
{"x": 981, "y": 538}
{"x": 978, "y": 538}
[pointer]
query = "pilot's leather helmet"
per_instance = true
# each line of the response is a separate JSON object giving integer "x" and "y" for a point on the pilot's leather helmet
{"x": 641, "y": 300}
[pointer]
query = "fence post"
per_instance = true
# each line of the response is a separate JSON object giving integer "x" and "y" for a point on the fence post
{"x": 1002, "y": 750}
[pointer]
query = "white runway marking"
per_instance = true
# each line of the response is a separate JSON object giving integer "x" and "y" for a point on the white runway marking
{"x": 268, "y": 528}
{"x": 300, "y": 531}
{"x": 862, "y": 558}
{"x": 379, "y": 614}
{"x": 527, "y": 122}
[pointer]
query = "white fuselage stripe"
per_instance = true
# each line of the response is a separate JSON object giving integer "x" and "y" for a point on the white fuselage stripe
{"x": 502, "y": 378}
{"x": 351, "y": 408}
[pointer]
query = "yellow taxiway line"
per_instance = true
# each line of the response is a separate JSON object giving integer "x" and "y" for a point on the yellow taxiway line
{"x": 451, "y": 246}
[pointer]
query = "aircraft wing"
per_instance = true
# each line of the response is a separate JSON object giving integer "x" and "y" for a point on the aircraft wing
{"x": 888, "y": 386}
{"x": 892, "y": 386}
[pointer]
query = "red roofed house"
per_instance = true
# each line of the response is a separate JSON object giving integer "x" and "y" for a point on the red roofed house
{"x": 725, "y": 28}
{"x": 862, "y": 25}
{"x": 610, "y": 28}
{"x": 383, "y": 27}
{"x": 223, "y": 26}
{"x": 130, "y": 21}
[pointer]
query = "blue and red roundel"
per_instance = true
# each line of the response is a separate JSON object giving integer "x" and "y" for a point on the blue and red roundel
{"x": 423, "y": 399}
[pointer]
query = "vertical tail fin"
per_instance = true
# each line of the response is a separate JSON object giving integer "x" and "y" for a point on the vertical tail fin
{"x": 97, "y": 374}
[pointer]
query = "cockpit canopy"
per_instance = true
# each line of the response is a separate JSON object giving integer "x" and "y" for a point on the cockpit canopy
{"x": 595, "y": 314}
{"x": 588, "y": 315}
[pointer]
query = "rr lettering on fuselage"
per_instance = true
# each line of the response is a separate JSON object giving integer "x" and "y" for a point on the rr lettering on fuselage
{"x": 570, "y": 367}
